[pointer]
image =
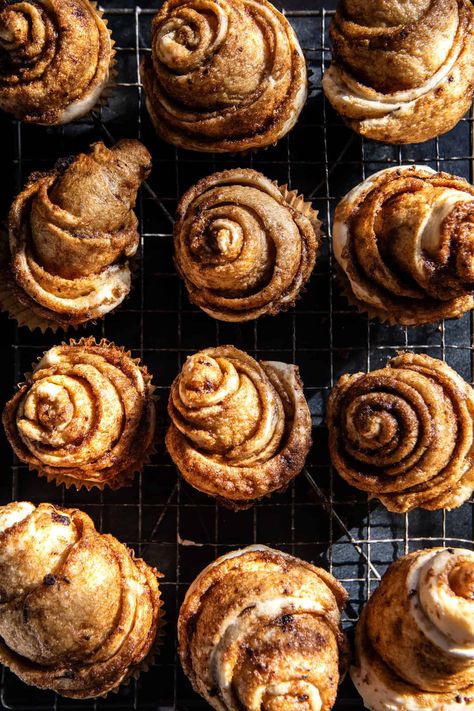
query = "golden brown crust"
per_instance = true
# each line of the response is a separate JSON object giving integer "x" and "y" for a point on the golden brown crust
{"x": 244, "y": 246}
{"x": 55, "y": 59}
{"x": 404, "y": 242}
{"x": 85, "y": 416}
{"x": 223, "y": 76}
{"x": 402, "y": 72}
{"x": 79, "y": 612}
{"x": 415, "y": 638}
{"x": 240, "y": 430}
{"x": 72, "y": 232}
{"x": 404, "y": 433}
{"x": 261, "y": 629}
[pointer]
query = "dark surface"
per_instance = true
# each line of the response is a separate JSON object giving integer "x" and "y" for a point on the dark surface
{"x": 322, "y": 335}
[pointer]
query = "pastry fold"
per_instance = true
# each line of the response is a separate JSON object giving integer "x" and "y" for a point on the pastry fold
{"x": 402, "y": 72}
{"x": 404, "y": 242}
{"x": 244, "y": 246}
{"x": 260, "y": 629}
{"x": 415, "y": 637}
{"x": 79, "y": 613}
{"x": 72, "y": 232}
{"x": 240, "y": 429}
{"x": 223, "y": 75}
{"x": 85, "y": 416}
{"x": 405, "y": 433}
{"x": 55, "y": 59}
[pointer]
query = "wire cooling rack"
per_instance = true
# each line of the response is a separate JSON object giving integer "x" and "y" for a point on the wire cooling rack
{"x": 172, "y": 526}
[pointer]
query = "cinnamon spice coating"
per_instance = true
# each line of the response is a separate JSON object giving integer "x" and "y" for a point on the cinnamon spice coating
{"x": 240, "y": 429}
{"x": 55, "y": 59}
{"x": 223, "y": 75}
{"x": 415, "y": 637}
{"x": 79, "y": 613}
{"x": 405, "y": 433}
{"x": 85, "y": 416}
{"x": 260, "y": 629}
{"x": 404, "y": 241}
{"x": 72, "y": 232}
{"x": 402, "y": 72}
{"x": 244, "y": 246}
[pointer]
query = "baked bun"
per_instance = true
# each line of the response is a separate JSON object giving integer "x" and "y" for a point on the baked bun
{"x": 223, "y": 75}
{"x": 240, "y": 429}
{"x": 72, "y": 232}
{"x": 55, "y": 59}
{"x": 79, "y": 614}
{"x": 404, "y": 242}
{"x": 415, "y": 638}
{"x": 405, "y": 433}
{"x": 85, "y": 416}
{"x": 260, "y": 629}
{"x": 244, "y": 245}
{"x": 402, "y": 72}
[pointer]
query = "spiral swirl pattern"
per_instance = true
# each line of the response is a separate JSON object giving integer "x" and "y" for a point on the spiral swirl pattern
{"x": 259, "y": 629}
{"x": 71, "y": 234}
{"x": 55, "y": 59}
{"x": 223, "y": 76}
{"x": 415, "y": 638}
{"x": 85, "y": 416}
{"x": 404, "y": 433}
{"x": 79, "y": 613}
{"x": 404, "y": 241}
{"x": 402, "y": 72}
{"x": 239, "y": 429}
{"x": 244, "y": 246}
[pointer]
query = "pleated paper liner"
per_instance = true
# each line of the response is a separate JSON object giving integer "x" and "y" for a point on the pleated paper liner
{"x": 385, "y": 317}
{"x": 124, "y": 478}
{"x": 301, "y": 205}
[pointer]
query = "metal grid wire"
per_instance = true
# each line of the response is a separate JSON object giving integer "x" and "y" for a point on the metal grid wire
{"x": 174, "y": 527}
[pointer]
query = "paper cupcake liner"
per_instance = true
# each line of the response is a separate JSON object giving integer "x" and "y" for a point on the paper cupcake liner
{"x": 300, "y": 204}
{"x": 109, "y": 88}
{"x": 126, "y": 477}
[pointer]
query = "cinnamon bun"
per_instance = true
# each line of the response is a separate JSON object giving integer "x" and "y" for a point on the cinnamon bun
{"x": 244, "y": 246}
{"x": 240, "y": 429}
{"x": 223, "y": 76}
{"x": 404, "y": 242}
{"x": 260, "y": 629}
{"x": 402, "y": 72}
{"x": 79, "y": 614}
{"x": 405, "y": 433}
{"x": 72, "y": 232}
{"x": 55, "y": 59}
{"x": 415, "y": 638}
{"x": 85, "y": 416}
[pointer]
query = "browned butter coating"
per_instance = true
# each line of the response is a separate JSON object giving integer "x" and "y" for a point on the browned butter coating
{"x": 72, "y": 232}
{"x": 79, "y": 613}
{"x": 85, "y": 416}
{"x": 404, "y": 433}
{"x": 224, "y": 75}
{"x": 240, "y": 429}
{"x": 260, "y": 629}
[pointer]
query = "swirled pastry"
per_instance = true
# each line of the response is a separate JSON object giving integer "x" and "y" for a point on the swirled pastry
{"x": 405, "y": 433}
{"x": 260, "y": 629}
{"x": 85, "y": 416}
{"x": 402, "y": 72}
{"x": 240, "y": 430}
{"x": 244, "y": 246}
{"x": 72, "y": 232}
{"x": 415, "y": 638}
{"x": 404, "y": 241}
{"x": 55, "y": 59}
{"x": 79, "y": 613}
{"x": 224, "y": 75}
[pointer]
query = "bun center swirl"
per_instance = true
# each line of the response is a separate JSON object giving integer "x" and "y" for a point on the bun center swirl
{"x": 27, "y": 34}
